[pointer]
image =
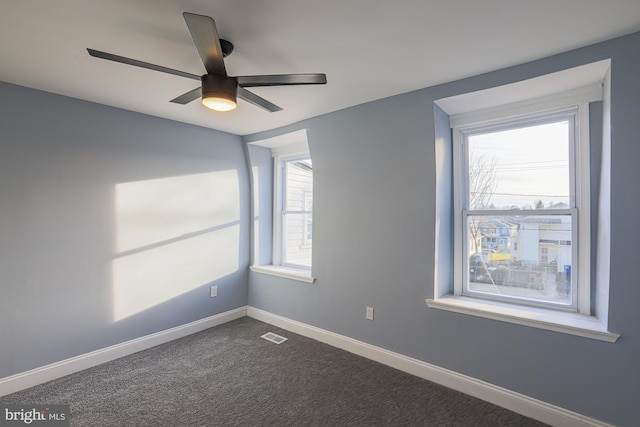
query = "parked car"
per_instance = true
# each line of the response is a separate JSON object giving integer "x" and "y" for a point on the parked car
{"x": 479, "y": 269}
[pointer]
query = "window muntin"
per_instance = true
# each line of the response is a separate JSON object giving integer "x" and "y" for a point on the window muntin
{"x": 517, "y": 237}
{"x": 295, "y": 220}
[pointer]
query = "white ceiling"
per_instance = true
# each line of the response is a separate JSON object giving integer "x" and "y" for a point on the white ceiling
{"x": 369, "y": 49}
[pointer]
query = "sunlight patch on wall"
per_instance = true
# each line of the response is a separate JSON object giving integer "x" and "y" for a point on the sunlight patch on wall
{"x": 152, "y": 211}
{"x": 145, "y": 279}
{"x": 174, "y": 235}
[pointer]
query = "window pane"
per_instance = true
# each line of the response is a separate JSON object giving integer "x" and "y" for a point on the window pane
{"x": 527, "y": 257}
{"x": 297, "y": 219}
{"x": 521, "y": 168}
{"x": 297, "y": 242}
{"x": 299, "y": 185}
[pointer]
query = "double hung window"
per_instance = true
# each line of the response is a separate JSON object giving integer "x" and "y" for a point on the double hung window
{"x": 521, "y": 209}
{"x": 294, "y": 211}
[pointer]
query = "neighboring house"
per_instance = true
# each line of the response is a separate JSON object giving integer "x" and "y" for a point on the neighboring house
{"x": 496, "y": 236}
{"x": 543, "y": 241}
{"x": 525, "y": 252}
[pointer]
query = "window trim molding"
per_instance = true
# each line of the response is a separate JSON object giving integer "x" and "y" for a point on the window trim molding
{"x": 284, "y": 272}
{"x": 541, "y": 318}
{"x": 522, "y": 109}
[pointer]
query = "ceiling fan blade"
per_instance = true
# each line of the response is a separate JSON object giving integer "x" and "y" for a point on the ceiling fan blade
{"x": 141, "y": 64}
{"x": 205, "y": 37}
{"x": 282, "y": 80}
{"x": 186, "y": 98}
{"x": 256, "y": 100}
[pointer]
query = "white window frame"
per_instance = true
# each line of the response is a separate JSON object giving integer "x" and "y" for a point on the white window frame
{"x": 577, "y": 113}
{"x": 279, "y": 234}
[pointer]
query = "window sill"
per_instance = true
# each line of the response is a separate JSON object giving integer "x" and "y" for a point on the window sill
{"x": 286, "y": 272}
{"x": 567, "y": 323}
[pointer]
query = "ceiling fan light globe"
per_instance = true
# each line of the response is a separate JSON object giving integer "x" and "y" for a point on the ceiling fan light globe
{"x": 218, "y": 103}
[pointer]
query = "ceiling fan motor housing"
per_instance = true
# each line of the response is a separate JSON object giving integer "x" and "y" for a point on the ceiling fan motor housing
{"x": 217, "y": 86}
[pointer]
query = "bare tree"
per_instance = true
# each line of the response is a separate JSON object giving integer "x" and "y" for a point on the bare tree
{"x": 481, "y": 186}
{"x": 482, "y": 180}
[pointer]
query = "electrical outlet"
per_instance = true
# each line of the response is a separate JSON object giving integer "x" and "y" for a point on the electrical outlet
{"x": 214, "y": 291}
{"x": 369, "y": 313}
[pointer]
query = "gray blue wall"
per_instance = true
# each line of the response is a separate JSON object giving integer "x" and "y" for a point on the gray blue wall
{"x": 374, "y": 240}
{"x": 75, "y": 178}
{"x": 262, "y": 179}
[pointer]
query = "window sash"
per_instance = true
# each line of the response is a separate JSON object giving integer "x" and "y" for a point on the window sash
{"x": 569, "y": 115}
{"x": 571, "y": 305}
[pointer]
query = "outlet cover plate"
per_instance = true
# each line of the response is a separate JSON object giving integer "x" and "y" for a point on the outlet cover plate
{"x": 369, "y": 313}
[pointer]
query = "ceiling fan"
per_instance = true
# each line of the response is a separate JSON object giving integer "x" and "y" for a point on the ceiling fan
{"x": 218, "y": 90}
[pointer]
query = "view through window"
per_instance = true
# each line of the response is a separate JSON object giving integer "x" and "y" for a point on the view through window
{"x": 297, "y": 212}
{"x": 519, "y": 213}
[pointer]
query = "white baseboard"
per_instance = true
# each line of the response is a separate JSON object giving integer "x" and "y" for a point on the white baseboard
{"x": 516, "y": 402}
{"x": 52, "y": 371}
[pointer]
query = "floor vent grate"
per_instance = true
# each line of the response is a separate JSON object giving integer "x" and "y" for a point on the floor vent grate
{"x": 270, "y": 336}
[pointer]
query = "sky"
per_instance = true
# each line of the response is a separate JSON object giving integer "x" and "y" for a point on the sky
{"x": 532, "y": 163}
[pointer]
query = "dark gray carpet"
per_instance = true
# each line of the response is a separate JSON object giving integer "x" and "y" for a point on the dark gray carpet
{"x": 229, "y": 376}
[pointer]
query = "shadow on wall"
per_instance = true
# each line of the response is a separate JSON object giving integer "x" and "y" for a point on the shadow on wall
{"x": 173, "y": 235}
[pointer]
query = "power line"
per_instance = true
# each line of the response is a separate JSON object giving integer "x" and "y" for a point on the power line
{"x": 523, "y": 195}
{"x": 528, "y": 168}
{"x": 530, "y": 163}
